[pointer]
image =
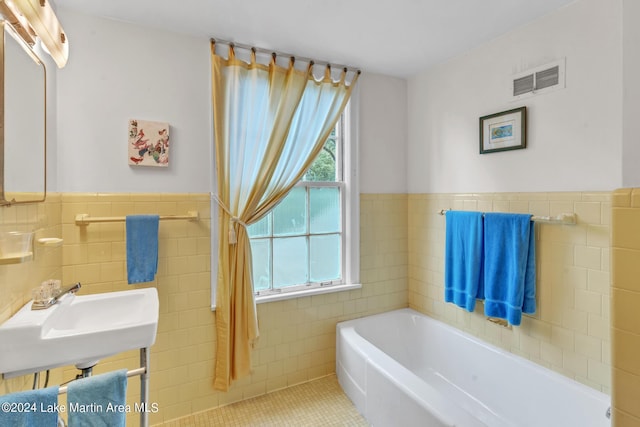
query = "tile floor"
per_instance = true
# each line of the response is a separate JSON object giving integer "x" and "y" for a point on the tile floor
{"x": 317, "y": 403}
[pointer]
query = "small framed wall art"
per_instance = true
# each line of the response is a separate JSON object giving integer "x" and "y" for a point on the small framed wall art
{"x": 148, "y": 143}
{"x": 503, "y": 131}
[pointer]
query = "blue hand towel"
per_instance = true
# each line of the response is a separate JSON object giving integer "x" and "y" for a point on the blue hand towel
{"x": 509, "y": 266}
{"x": 98, "y": 401}
{"x": 463, "y": 258}
{"x": 142, "y": 247}
{"x": 33, "y": 408}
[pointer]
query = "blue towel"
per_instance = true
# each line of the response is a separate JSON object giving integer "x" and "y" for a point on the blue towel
{"x": 98, "y": 401}
{"x": 463, "y": 258}
{"x": 509, "y": 266}
{"x": 33, "y": 408}
{"x": 142, "y": 247}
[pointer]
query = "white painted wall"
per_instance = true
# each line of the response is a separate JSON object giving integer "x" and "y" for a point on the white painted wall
{"x": 574, "y": 135}
{"x": 118, "y": 71}
{"x": 382, "y": 134}
{"x": 631, "y": 96}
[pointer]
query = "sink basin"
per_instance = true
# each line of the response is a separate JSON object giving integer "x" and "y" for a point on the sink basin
{"x": 78, "y": 330}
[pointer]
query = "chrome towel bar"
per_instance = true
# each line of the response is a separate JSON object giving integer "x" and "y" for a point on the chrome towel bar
{"x": 130, "y": 373}
{"x": 563, "y": 218}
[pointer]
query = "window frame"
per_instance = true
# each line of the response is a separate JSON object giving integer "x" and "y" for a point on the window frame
{"x": 350, "y": 202}
{"x": 308, "y": 234}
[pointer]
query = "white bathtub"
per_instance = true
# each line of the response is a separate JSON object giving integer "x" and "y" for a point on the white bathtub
{"x": 403, "y": 368}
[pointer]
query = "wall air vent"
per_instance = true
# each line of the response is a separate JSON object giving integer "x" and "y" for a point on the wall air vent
{"x": 547, "y": 78}
{"x": 539, "y": 80}
{"x": 523, "y": 85}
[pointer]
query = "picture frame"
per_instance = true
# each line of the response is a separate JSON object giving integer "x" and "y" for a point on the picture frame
{"x": 148, "y": 143}
{"x": 503, "y": 131}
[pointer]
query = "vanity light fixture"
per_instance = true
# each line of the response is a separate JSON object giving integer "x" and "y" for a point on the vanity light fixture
{"x": 42, "y": 19}
{"x": 18, "y": 21}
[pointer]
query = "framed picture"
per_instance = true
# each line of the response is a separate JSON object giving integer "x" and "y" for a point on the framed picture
{"x": 503, "y": 131}
{"x": 148, "y": 143}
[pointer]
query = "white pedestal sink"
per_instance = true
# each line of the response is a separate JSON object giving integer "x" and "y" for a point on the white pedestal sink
{"x": 78, "y": 330}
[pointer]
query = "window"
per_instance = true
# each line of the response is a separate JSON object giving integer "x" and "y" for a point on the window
{"x": 300, "y": 244}
{"x": 309, "y": 243}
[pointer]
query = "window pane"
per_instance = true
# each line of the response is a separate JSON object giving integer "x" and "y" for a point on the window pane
{"x": 290, "y": 265}
{"x": 325, "y": 258}
{"x": 261, "y": 228}
{"x": 324, "y": 210}
{"x": 261, "y": 254}
{"x": 290, "y": 216}
{"x": 324, "y": 166}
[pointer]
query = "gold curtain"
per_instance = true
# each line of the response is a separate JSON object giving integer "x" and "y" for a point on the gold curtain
{"x": 270, "y": 122}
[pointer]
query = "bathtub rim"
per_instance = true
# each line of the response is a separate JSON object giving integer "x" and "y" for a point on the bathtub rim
{"x": 573, "y": 385}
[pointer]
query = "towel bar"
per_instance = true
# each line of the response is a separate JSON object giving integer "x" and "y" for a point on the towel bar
{"x": 143, "y": 371}
{"x": 131, "y": 373}
{"x": 86, "y": 219}
{"x": 563, "y": 218}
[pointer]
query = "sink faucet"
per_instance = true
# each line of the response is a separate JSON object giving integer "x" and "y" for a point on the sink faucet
{"x": 46, "y": 303}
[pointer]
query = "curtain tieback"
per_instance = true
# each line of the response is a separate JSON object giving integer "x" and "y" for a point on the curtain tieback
{"x": 233, "y": 239}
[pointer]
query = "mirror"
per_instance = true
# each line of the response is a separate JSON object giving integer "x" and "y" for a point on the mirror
{"x": 23, "y": 140}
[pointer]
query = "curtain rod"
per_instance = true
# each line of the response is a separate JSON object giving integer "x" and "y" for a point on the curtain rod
{"x": 278, "y": 53}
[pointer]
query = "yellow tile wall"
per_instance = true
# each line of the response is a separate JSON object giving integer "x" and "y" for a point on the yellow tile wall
{"x": 625, "y": 299}
{"x": 95, "y": 255}
{"x": 402, "y": 241}
{"x": 297, "y": 341}
{"x": 17, "y": 280}
{"x": 570, "y": 331}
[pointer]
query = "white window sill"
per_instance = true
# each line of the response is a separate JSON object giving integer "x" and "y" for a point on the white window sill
{"x": 304, "y": 293}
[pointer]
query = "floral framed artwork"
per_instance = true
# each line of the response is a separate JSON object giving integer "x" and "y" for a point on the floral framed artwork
{"x": 148, "y": 143}
{"x": 503, "y": 131}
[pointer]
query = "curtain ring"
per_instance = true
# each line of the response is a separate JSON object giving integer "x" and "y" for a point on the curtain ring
{"x": 343, "y": 76}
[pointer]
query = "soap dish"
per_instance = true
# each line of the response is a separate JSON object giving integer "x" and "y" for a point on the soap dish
{"x": 50, "y": 241}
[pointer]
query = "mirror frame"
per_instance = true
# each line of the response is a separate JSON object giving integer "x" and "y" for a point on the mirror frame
{"x": 5, "y": 26}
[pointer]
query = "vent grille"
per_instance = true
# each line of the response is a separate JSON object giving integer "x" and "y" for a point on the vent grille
{"x": 523, "y": 85}
{"x": 549, "y": 77}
